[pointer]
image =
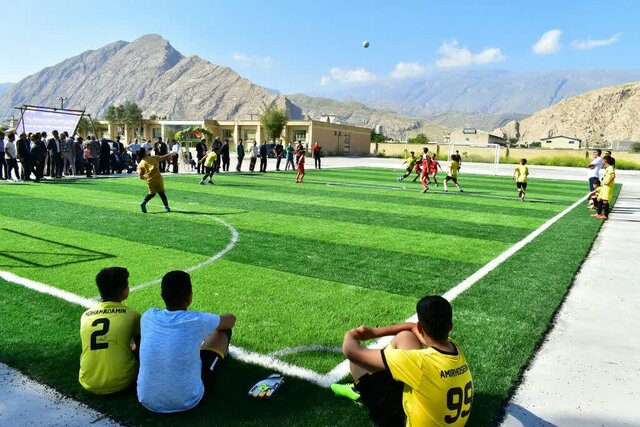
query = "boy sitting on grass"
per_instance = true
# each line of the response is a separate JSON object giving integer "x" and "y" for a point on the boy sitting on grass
{"x": 108, "y": 363}
{"x": 181, "y": 350}
{"x": 421, "y": 378}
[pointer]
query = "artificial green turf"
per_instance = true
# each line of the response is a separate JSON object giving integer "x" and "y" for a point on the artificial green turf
{"x": 311, "y": 261}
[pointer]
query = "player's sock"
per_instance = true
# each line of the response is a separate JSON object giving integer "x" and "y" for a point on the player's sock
{"x": 345, "y": 390}
{"x": 143, "y": 207}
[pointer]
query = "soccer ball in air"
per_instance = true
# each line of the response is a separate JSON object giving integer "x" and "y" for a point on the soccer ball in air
{"x": 365, "y": 44}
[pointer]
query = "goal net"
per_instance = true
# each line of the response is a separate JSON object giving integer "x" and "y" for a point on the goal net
{"x": 478, "y": 153}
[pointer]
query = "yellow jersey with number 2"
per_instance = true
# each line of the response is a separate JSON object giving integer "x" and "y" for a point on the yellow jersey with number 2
{"x": 522, "y": 172}
{"x": 107, "y": 364}
{"x": 438, "y": 388}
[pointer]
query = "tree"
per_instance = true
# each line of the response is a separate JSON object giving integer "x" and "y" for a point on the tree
{"x": 420, "y": 138}
{"x": 635, "y": 147}
{"x": 132, "y": 113}
{"x": 536, "y": 144}
{"x": 377, "y": 137}
{"x": 84, "y": 126}
{"x": 274, "y": 119}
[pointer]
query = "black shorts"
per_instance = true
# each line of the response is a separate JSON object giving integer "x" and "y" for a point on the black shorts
{"x": 450, "y": 178}
{"x": 382, "y": 395}
{"x": 522, "y": 185}
{"x": 208, "y": 169}
{"x": 211, "y": 361}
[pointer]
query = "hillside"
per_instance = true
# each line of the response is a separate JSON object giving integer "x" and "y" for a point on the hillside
{"x": 608, "y": 114}
{"x": 480, "y": 92}
{"x": 150, "y": 72}
{"x": 358, "y": 114}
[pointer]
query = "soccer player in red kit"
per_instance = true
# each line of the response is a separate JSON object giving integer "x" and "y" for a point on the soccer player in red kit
{"x": 433, "y": 167}
{"x": 426, "y": 164}
{"x": 300, "y": 175}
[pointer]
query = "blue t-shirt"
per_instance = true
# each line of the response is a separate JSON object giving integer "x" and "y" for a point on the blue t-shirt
{"x": 169, "y": 379}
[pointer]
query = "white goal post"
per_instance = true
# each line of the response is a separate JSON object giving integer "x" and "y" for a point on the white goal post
{"x": 492, "y": 153}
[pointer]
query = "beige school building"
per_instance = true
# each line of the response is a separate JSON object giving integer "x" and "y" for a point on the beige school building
{"x": 334, "y": 138}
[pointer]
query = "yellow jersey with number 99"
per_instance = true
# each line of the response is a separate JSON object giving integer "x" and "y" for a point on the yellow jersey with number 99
{"x": 107, "y": 364}
{"x": 438, "y": 388}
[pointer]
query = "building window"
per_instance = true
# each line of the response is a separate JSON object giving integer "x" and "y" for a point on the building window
{"x": 572, "y": 142}
{"x": 299, "y": 135}
{"x": 156, "y": 132}
{"x": 249, "y": 134}
{"x": 227, "y": 134}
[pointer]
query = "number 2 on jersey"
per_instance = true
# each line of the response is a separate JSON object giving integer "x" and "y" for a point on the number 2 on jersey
{"x": 95, "y": 345}
{"x": 456, "y": 399}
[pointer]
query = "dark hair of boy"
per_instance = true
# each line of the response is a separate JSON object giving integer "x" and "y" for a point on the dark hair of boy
{"x": 412, "y": 153}
{"x": 112, "y": 281}
{"x": 598, "y": 151}
{"x": 176, "y": 288}
{"x": 523, "y": 161}
{"x": 435, "y": 315}
{"x": 597, "y": 182}
{"x": 607, "y": 159}
{"x": 141, "y": 154}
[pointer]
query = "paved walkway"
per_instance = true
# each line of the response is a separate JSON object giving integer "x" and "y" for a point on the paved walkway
{"x": 586, "y": 373}
{"x": 24, "y": 402}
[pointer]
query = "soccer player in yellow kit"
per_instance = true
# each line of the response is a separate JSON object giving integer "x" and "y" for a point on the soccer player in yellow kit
{"x": 410, "y": 162}
{"x": 608, "y": 184}
{"x": 420, "y": 379}
{"x": 208, "y": 160}
{"x": 520, "y": 175}
{"x": 108, "y": 363}
{"x": 454, "y": 167}
{"x": 149, "y": 171}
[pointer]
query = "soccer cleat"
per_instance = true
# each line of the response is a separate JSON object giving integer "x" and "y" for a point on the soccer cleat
{"x": 346, "y": 390}
{"x": 461, "y": 190}
{"x": 436, "y": 184}
{"x": 143, "y": 207}
{"x": 210, "y": 182}
{"x": 425, "y": 190}
{"x": 202, "y": 182}
{"x": 445, "y": 191}
{"x": 167, "y": 209}
{"x": 400, "y": 178}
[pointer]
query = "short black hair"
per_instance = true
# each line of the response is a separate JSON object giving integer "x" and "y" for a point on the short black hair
{"x": 176, "y": 288}
{"x": 111, "y": 282}
{"x": 597, "y": 182}
{"x": 608, "y": 159}
{"x": 523, "y": 161}
{"x": 435, "y": 315}
{"x": 141, "y": 153}
{"x": 598, "y": 151}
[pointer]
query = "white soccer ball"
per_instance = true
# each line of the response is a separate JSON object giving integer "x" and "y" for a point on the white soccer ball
{"x": 365, "y": 44}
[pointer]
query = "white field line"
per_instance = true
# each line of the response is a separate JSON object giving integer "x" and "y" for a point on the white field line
{"x": 232, "y": 243}
{"x": 342, "y": 369}
{"x": 47, "y": 289}
{"x": 304, "y": 348}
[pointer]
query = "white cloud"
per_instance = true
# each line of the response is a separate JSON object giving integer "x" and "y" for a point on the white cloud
{"x": 549, "y": 43}
{"x": 251, "y": 60}
{"x": 406, "y": 70}
{"x": 325, "y": 80}
{"x": 453, "y": 55}
{"x": 358, "y": 75}
{"x": 590, "y": 44}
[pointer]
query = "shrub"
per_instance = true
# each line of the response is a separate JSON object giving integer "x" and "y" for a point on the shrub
{"x": 635, "y": 147}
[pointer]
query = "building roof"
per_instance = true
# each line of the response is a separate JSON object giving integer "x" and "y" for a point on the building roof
{"x": 562, "y": 136}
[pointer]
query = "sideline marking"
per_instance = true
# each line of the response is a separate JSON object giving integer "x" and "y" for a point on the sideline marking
{"x": 234, "y": 240}
{"x": 342, "y": 369}
{"x": 305, "y": 348}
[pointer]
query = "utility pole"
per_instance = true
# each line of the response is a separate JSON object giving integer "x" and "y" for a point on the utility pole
{"x": 62, "y": 99}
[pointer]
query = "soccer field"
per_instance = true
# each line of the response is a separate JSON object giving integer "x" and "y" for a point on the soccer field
{"x": 298, "y": 265}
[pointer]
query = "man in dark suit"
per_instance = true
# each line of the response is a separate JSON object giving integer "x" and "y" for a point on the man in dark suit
{"x": 105, "y": 153}
{"x": 263, "y": 156}
{"x": 164, "y": 150}
{"x": 24, "y": 154}
{"x": 217, "y": 148}
{"x": 201, "y": 149}
{"x": 224, "y": 152}
{"x": 240, "y": 151}
{"x": 55, "y": 154}
{"x": 38, "y": 156}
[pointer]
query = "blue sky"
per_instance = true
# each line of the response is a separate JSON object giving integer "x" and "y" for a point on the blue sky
{"x": 312, "y": 45}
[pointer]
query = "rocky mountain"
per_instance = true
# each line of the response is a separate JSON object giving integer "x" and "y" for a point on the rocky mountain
{"x": 150, "y": 72}
{"x": 608, "y": 114}
{"x": 483, "y": 97}
{"x": 5, "y": 87}
{"x": 358, "y": 114}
